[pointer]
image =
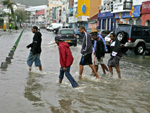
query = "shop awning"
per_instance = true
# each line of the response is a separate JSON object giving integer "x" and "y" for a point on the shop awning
{"x": 40, "y": 12}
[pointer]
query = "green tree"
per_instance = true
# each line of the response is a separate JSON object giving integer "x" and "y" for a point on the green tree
{"x": 9, "y": 5}
{"x": 21, "y": 15}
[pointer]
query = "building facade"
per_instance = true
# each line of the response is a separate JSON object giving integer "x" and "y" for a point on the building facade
{"x": 53, "y": 5}
{"x": 106, "y": 17}
{"x": 86, "y": 10}
{"x": 145, "y": 11}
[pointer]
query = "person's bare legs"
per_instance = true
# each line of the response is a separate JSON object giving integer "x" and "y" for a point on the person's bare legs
{"x": 60, "y": 81}
{"x": 81, "y": 71}
{"x": 110, "y": 70}
{"x": 104, "y": 67}
{"x": 118, "y": 71}
{"x": 96, "y": 68}
{"x": 30, "y": 68}
{"x": 93, "y": 69}
{"x": 40, "y": 68}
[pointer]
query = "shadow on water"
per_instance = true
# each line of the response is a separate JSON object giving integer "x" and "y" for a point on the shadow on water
{"x": 33, "y": 89}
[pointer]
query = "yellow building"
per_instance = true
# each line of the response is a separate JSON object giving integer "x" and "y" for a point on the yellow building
{"x": 86, "y": 10}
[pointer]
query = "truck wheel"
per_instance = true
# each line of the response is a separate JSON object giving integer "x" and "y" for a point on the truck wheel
{"x": 122, "y": 37}
{"x": 139, "y": 49}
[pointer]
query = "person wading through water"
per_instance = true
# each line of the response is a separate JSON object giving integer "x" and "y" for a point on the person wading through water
{"x": 99, "y": 51}
{"x": 115, "y": 55}
{"x": 86, "y": 52}
{"x": 66, "y": 60}
{"x": 35, "y": 51}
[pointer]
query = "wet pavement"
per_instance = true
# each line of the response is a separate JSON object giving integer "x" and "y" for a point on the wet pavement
{"x": 39, "y": 92}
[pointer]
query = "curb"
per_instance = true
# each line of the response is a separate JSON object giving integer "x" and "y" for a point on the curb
{"x": 4, "y": 65}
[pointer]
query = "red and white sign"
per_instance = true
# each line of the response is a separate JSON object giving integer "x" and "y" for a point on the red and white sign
{"x": 146, "y": 7}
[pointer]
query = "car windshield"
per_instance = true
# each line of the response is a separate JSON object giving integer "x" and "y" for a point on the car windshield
{"x": 64, "y": 32}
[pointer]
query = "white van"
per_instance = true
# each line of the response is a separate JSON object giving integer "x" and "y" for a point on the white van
{"x": 54, "y": 26}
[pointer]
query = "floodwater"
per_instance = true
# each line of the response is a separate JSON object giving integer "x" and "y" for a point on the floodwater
{"x": 40, "y": 92}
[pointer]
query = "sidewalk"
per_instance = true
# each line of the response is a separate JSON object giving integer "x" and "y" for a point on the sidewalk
{"x": 7, "y": 41}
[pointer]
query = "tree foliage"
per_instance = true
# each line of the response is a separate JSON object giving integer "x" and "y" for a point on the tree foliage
{"x": 9, "y": 5}
{"x": 21, "y": 15}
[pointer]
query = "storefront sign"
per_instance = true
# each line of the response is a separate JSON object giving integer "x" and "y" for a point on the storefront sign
{"x": 117, "y": 7}
{"x": 135, "y": 12}
{"x": 83, "y": 18}
{"x": 146, "y": 7}
{"x": 55, "y": 2}
{"x": 84, "y": 8}
{"x": 105, "y": 15}
{"x": 71, "y": 19}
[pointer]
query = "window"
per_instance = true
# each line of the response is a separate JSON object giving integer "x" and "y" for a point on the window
{"x": 104, "y": 24}
{"x": 147, "y": 23}
{"x": 137, "y": 31}
{"x": 130, "y": 21}
{"x": 138, "y": 21}
{"x": 127, "y": 4}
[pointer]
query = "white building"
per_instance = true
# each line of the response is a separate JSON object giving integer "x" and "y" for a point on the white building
{"x": 36, "y": 18}
{"x": 65, "y": 11}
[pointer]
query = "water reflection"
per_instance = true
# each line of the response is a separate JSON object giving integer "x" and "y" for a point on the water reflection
{"x": 65, "y": 106}
{"x": 33, "y": 89}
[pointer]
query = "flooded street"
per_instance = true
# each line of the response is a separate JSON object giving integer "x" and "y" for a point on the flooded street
{"x": 40, "y": 92}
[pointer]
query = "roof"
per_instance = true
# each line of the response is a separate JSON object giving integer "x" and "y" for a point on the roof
{"x": 95, "y": 17}
{"x": 40, "y": 12}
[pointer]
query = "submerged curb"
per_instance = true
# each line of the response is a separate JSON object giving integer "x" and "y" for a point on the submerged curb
{"x": 4, "y": 65}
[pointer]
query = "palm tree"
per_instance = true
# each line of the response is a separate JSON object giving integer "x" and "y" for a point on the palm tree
{"x": 9, "y": 5}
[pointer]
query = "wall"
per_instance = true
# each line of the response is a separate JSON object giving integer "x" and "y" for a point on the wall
{"x": 94, "y": 7}
{"x": 138, "y": 2}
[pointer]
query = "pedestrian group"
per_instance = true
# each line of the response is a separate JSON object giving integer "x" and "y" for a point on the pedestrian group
{"x": 66, "y": 58}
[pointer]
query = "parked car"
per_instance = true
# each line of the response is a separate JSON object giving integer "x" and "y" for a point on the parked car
{"x": 54, "y": 26}
{"x": 48, "y": 27}
{"x": 42, "y": 26}
{"x": 68, "y": 35}
{"x": 108, "y": 41}
{"x": 56, "y": 30}
{"x": 134, "y": 37}
{"x": 104, "y": 33}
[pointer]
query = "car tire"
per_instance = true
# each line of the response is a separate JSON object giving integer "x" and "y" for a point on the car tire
{"x": 139, "y": 49}
{"x": 122, "y": 37}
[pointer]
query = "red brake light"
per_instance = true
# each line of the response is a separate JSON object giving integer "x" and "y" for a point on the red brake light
{"x": 129, "y": 39}
{"x": 75, "y": 36}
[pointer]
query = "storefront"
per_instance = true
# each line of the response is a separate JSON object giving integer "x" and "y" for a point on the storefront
{"x": 145, "y": 13}
{"x": 82, "y": 20}
{"x": 106, "y": 21}
{"x": 92, "y": 22}
{"x": 132, "y": 17}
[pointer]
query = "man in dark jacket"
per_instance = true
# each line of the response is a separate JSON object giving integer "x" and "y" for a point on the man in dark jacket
{"x": 86, "y": 52}
{"x": 99, "y": 51}
{"x": 35, "y": 51}
{"x": 66, "y": 60}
